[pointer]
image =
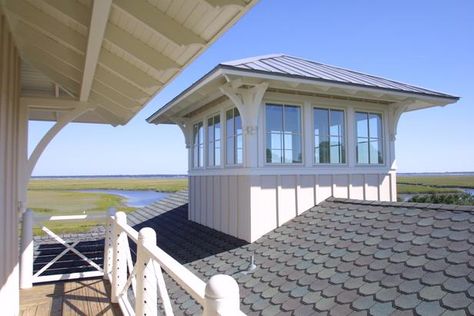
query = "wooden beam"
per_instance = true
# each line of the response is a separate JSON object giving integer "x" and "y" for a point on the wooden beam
{"x": 72, "y": 9}
{"x": 34, "y": 38}
{"x": 46, "y": 24}
{"x": 159, "y": 22}
{"x": 50, "y": 104}
{"x": 99, "y": 18}
{"x": 221, "y": 3}
{"x": 108, "y": 61}
{"x": 121, "y": 85}
{"x": 138, "y": 49}
{"x": 128, "y": 71}
{"x": 54, "y": 74}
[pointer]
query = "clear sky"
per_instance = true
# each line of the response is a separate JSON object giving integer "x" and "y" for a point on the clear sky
{"x": 429, "y": 43}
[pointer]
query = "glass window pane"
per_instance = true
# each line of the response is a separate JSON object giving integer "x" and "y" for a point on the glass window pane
{"x": 321, "y": 119}
{"x": 324, "y": 149}
{"x": 230, "y": 150}
{"x": 217, "y": 128}
{"x": 275, "y": 141}
{"x": 361, "y": 123}
{"x": 362, "y": 150}
{"x": 274, "y": 118}
{"x": 337, "y": 123}
{"x": 375, "y": 125}
{"x": 210, "y": 154}
{"x": 288, "y": 141}
{"x": 237, "y": 122}
{"x": 292, "y": 119}
{"x": 201, "y": 155}
{"x": 217, "y": 153}
{"x": 335, "y": 150}
{"x": 374, "y": 152}
{"x": 229, "y": 125}
{"x": 276, "y": 156}
{"x": 297, "y": 155}
{"x": 210, "y": 131}
{"x": 239, "y": 158}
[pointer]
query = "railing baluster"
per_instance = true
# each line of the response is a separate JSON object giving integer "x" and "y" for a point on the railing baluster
{"x": 108, "y": 243}
{"x": 119, "y": 266}
{"x": 146, "y": 300}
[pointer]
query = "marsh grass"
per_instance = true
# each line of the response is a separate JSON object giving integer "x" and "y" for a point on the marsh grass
{"x": 155, "y": 184}
{"x": 439, "y": 181}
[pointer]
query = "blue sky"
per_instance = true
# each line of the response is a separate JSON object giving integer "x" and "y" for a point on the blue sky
{"x": 429, "y": 43}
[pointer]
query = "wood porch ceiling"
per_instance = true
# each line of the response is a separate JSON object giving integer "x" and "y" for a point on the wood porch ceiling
{"x": 114, "y": 55}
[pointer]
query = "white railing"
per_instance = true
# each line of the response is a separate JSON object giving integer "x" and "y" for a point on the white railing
{"x": 143, "y": 280}
{"x": 220, "y": 296}
{"x": 28, "y": 277}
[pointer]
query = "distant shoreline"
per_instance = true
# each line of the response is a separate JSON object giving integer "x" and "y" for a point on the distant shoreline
{"x": 148, "y": 176}
{"x": 435, "y": 174}
{"x": 177, "y": 176}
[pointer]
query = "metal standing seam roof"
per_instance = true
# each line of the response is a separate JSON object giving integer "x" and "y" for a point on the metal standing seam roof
{"x": 285, "y": 66}
{"x": 281, "y": 64}
{"x": 342, "y": 257}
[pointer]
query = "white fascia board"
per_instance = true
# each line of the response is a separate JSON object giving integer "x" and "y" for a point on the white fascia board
{"x": 163, "y": 111}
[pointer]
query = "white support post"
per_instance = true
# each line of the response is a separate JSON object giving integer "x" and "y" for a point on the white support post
{"x": 222, "y": 296}
{"x": 119, "y": 266}
{"x": 146, "y": 301}
{"x": 108, "y": 243}
{"x": 26, "y": 272}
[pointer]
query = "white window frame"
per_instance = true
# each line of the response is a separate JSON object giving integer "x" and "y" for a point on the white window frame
{"x": 234, "y": 136}
{"x": 383, "y": 139}
{"x": 196, "y": 147}
{"x": 212, "y": 143}
{"x": 302, "y": 133}
{"x": 345, "y": 135}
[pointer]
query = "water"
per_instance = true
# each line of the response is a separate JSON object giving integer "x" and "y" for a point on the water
{"x": 135, "y": 198}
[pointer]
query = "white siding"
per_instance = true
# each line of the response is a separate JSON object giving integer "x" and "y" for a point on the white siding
{"x": 13, "y": 124}
{"x": 248, "y": 206}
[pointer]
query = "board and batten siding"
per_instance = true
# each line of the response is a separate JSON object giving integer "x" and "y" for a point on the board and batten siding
{"x": 11, "y": 154}
{"x": 248, "y": 206}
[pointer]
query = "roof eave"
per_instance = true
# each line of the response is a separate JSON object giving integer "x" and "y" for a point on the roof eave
{"x": 221, "y": 70}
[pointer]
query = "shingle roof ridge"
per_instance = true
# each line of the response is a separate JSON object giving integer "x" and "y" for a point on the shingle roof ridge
{"x": 439, "y": 207}
{"x": 250, "y": 59}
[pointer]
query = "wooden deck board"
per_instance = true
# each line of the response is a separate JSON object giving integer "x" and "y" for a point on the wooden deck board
{"x": 79, "y": 297}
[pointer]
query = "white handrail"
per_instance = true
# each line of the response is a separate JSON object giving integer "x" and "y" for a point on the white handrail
{"x": 185, "y": 278}
{"x": 220, "y": 296}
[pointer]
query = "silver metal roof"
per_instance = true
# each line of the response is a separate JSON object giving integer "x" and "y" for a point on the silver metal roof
{"x": 280, "y": 64}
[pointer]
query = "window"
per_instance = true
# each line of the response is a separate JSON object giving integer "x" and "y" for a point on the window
{"x": 329, "y": 136}
{"x": 234, "y": 141}
{"x": 283, "y": 133}
{"x": 198, "y": 145}
{"x": 214, "y": 141}
{"x": 369, "y": 138}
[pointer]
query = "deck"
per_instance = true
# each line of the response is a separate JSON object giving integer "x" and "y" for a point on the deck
{"x": 79, "y": 297}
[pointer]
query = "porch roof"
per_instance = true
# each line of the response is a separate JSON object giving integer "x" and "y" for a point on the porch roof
{"x": 111, "y": 56}
{"x": 289, "y": 74}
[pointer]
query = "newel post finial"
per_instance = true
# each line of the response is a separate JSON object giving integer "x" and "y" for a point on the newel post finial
{"x": 222, "y": 296}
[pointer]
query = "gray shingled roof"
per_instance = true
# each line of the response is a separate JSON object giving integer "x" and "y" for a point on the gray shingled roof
{"x": 341, "y": 257}
{"x": 284, "y": 65}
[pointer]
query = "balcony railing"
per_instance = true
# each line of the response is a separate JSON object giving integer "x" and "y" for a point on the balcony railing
{"x": 137, "y": 285}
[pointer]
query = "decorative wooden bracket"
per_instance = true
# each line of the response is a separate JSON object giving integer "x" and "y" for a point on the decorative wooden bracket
{"x": 52, "y": 132}
{"x": 247, "y": 101}
{"x": 396, "y": 111}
